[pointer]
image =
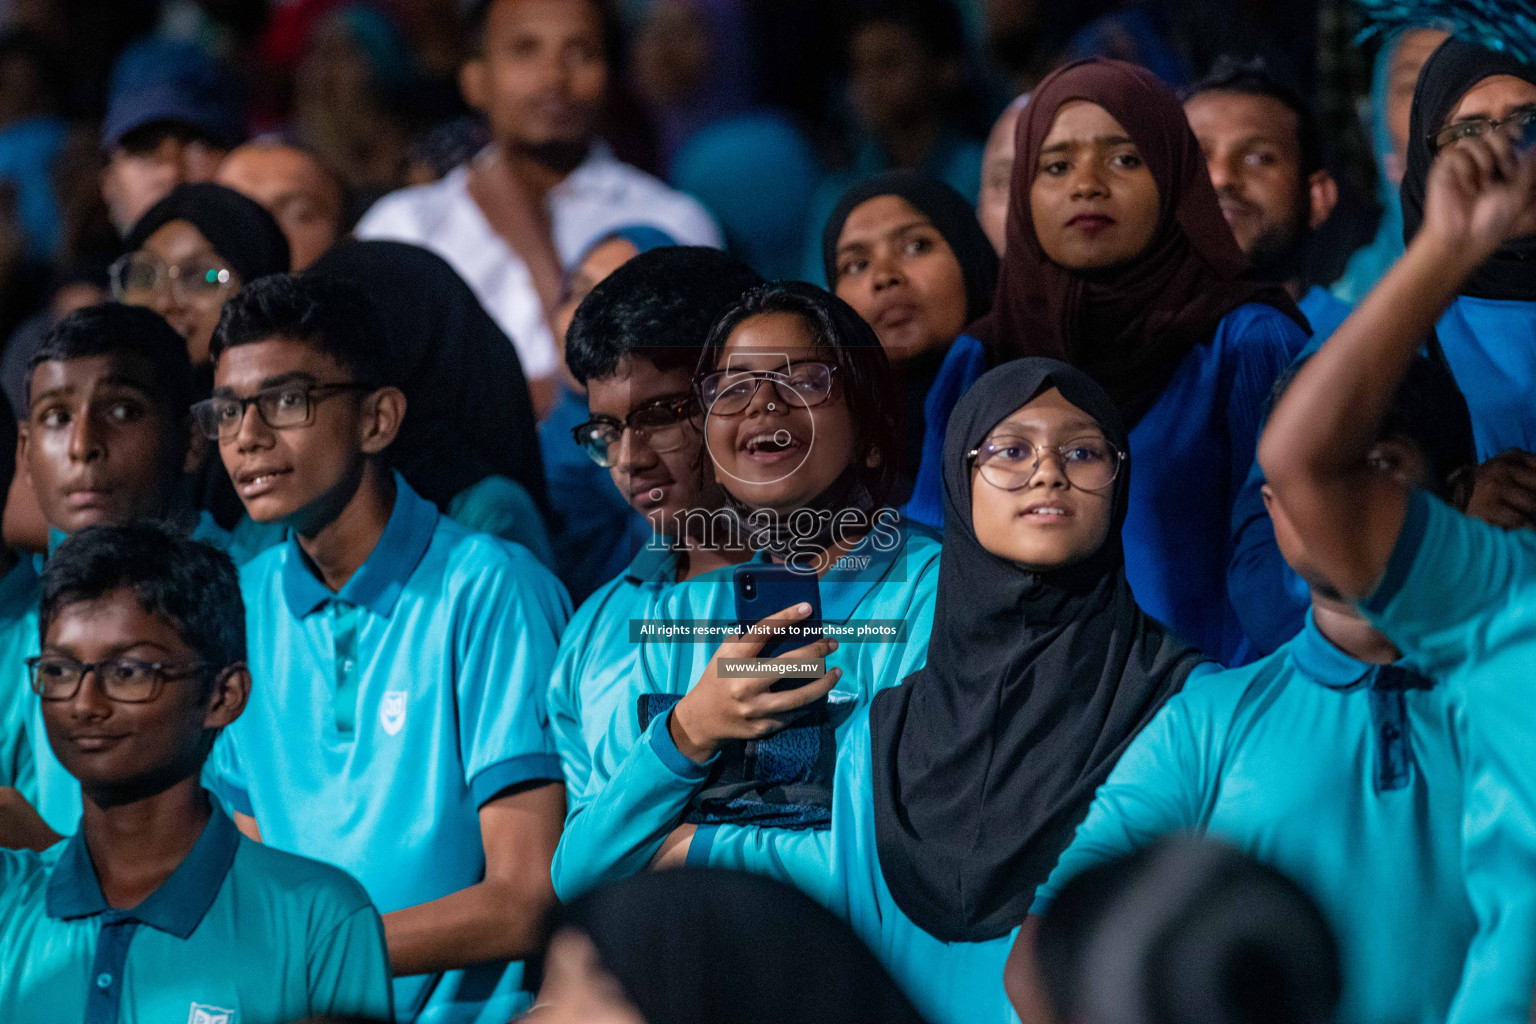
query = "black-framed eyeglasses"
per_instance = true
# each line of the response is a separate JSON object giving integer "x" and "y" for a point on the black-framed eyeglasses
{"x": 1515, "y": 125}
{"x": 663, "y": 424}
{"x": 124, "y": 680}
{"x": 139, "y": 276}
{"x": 1090, "y": 463}
{"x": 280, "y": 407}
{"x": 728, "y": 392}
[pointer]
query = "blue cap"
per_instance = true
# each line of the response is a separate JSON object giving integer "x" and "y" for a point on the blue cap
{"x": 157, "y": 81}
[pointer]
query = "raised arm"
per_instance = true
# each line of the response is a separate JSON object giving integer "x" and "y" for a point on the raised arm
{"x": 1314, "y": 451}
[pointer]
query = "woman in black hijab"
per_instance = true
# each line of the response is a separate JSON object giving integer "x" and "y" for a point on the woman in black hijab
{"x": 191, "y": 251}
{"x": 906, "y": 251}
{"x": 470, "y": 417}
{"x": 953, "y": 799}
{"x": 1488, "y": 336}
{"x": 698, "y": 947}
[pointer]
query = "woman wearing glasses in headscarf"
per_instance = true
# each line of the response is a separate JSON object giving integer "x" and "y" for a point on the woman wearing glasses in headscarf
{"x": 956, "y": 793}
{"x": 1488, "y": 336}
{"x": 798, "y": 421}
{"x": 1119, "y": 262}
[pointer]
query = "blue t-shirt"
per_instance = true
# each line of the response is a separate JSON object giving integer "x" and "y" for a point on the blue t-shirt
{"x": 1346, "y": 777}
{"x": 1324, "y": 311}
{"x": 1490, "y": 345}
{"x": 1459, "y": 600}
{"x": 382, "y": 717}
{"x": 239, "y": 933}
{"x": 949, "y": 982}
{"x": 640, "y": 786}
{"x": 1190, "y": 454}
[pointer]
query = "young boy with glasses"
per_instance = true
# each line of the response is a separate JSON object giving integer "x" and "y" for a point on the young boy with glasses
{"x": 399, "y": 730}
{"x": 105, "y": 439}
{"x": 158, "y": 909}
{"x": 634, "y": 343}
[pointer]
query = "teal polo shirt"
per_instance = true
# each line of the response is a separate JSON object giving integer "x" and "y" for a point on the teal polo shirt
{"x": 639, "y": 785}
{"x": 54, "y": 792}
{"x": 382, "y": 717}
{"x": 594, "y": 671}
{"x": 1346, "y": 777}
{"x": 18, "y": 598}
{"x": 238, "y": 934}
{"x": 1459, "y": 600}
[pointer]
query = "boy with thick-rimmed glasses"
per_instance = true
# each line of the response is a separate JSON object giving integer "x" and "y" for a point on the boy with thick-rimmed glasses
{"x": 399, "y": 729}
{"x": 105, "y": 438}
{"x": 634, "y": 343}
{"x": 158, "y": 908}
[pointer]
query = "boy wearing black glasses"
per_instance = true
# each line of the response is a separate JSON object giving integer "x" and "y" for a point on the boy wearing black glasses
{"x": 635, "y": 341}
{"x": 105, "y": 438}
{"x": 158, "y": 909}
{"x": 399, "y": 730}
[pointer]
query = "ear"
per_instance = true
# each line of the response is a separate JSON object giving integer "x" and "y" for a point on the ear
{"x": 874, "y": 458}
{"x": 383, "y": 412}
{"x": 1322, "y": 197}
{"x": 1269, "y": 500}
{"x": 23, "y": 442}
{"x": 231, "y": 691}
{"x": 197, "y": 447}
{"x": 475, "y": 83}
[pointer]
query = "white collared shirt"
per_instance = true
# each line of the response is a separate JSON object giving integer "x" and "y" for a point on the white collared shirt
{"x": 600, "y": 195}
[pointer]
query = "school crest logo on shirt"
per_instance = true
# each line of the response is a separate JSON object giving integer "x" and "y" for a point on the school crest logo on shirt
{"x": 392, "y": 711}
{"x": 211, "y": 1015}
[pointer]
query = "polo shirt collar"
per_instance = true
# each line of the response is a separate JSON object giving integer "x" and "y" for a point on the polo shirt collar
{"x": 653, "y": 565}
{"x": 1315, "y": 657}
{"x": 182, "y": 900}
{"x": 843, "y": 590}
{"x": 381, "y": 579}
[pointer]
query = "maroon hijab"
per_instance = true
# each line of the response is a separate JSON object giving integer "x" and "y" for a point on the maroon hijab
{"x": 1128, "y": 327}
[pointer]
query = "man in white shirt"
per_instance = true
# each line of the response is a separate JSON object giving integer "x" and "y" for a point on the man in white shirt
{"x": 523, "y": 209}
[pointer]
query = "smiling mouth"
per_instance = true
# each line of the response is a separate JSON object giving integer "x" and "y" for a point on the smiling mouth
{"x": 770, "y": 445}
{"x": 260, "y": 481}
{"x": 1047, "y": 514}
{"x": 91, "y": 744}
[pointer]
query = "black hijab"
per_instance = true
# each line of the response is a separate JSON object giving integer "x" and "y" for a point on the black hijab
{"x": 1451, "y": 72}
{"x": 986, "y": 759}
{"x": 695, "y": 946}
{"x": 469, "y": 415}
{"x": 240, "y": 230}
{"x": 951, "y": 216}
{"x": 956, "y": 221}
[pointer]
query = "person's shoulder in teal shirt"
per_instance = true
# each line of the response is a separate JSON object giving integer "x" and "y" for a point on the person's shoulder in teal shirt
{"x": 18, "y": 602}
{"x": 949, "y": 982}
{"x": 1345, "y": 776}
{"x": 640, "y": 785}
{"x": 239, "y": 932}
{"x": 595, "y": 668}
{"x": 1459, "y": 599}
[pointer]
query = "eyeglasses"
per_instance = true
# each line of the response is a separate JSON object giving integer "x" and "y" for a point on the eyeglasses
{"x": 729, "y": 392}
{"x": 140, "y": 276}
{"x": 124, "y": 680}
{"x": 1009, "y": 463}
{"x": 1514, "y": 125}
{"x": 662, "y": 424}
{"x": 280, "y": 407}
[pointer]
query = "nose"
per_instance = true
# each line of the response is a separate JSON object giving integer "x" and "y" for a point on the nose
{"x": 885, "y": 270}
{"x": 89, "y": 704}
{"x": 766, "y": 400}
{"x": 1049, "y": 471}
{"x": 254, "y": 432}
{"x": 1224, "y": 173}
{"x": 1087, "y": 181}
{"x": 631, "y": 454}
{"x": 85, "y": 443}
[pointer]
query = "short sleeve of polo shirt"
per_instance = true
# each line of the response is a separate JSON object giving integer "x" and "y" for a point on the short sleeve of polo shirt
{"x": 511, "y": 611}
{"x": 1449, "y": 580}
{"x": 349, "y": 968}
{"x": 1159, "y": 786}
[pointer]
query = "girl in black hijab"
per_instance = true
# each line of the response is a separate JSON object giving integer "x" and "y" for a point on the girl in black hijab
{"x": 907, "y": 253}
{"x": 1488, "y": 336}
{"x": 953, "y": 799}
{"x": 698, "y": 947}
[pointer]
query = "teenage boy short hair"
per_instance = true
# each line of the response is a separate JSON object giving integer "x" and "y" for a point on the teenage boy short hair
{"x": 662, "y": 302}
{"x": 187, "y": 583}
{"x": 478, "y": 11}
{"x": 1429, "y": 411}
{"x": 111, "y": 329}
{"x": 1254, "y": 78}
{"x": 328, "y": 314}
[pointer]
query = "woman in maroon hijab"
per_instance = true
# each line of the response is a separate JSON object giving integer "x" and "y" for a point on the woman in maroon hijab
{"x": 1119, "y": 262}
